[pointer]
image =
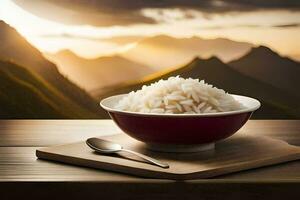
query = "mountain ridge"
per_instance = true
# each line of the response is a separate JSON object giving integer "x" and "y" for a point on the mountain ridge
{"x": 268, "y": 66}
{"x": 15, "y": 48}
{"x": 98, "y": 72}
{"x": 23, "y": 97}
{"x": 148, "y": 49}
{"x": 215, "y": 72}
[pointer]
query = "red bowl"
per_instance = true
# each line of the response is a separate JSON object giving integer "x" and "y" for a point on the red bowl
{"x": 180, "y": 132}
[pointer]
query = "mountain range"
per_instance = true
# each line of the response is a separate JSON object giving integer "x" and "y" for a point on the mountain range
{"x": 276, "y": 103}
{"x": 163, "y": 51}
{"x": 99, "y": 72}
{"x": 33, "y": 87}
{"x": 148, "y": 55}
{"x": 267, "y": 66}
{"x": 26, "y": 95}
{"x": 14, "y": 49}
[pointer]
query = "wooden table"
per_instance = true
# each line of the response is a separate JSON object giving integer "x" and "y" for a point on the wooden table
{"x": 22, "y": 175}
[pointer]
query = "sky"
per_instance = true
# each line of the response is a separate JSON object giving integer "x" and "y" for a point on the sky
{"x": 86, "y": 27}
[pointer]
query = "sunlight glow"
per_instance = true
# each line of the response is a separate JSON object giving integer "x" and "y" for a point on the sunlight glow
{"x": 171, "y": 22}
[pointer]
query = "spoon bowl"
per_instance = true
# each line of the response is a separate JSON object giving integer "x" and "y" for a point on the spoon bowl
{"x": 103, "y": 146}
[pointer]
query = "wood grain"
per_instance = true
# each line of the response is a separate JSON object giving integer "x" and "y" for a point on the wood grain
{"x": 16, "y": 135}
{"x": 52, "y": 132}
{"x": 20, "y": 164}
{"x": 22, "y": 175}
{"x": 55, "y": 132}
{"x": 236, "y": 153}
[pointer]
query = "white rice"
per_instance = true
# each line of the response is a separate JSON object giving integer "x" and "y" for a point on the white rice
{"x": 179, "y": 96}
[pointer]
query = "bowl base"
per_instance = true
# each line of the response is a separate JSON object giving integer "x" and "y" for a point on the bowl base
{"x": 177, "y": 148}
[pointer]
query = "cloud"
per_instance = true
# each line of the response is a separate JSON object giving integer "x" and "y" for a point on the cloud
{"x": 287, "y": 25}
{"x": 292, "y": 25}
{"x": 120, "y": 40}
{"x": 127, "y": 12}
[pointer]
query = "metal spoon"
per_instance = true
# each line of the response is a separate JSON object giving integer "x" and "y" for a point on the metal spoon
{"x": 107, "y": 147}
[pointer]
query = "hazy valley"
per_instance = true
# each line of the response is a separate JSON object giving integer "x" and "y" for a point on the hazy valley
{"x": 32, "y": 86}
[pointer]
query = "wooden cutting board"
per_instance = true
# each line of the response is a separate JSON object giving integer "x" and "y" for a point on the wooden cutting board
{"x": 237, "y": 153}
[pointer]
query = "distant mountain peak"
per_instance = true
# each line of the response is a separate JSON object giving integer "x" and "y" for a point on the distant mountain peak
{"x": 115, "y": 56}
{"x": 158, "y": 38}
{"x": 212, "y": 59}
{"x": 168, "y": 38}
{"x": 69, "y": 51}
{"x": 265, "y": 65}
{"x": 194, "y": 37}
{"x": 162, "y": 36}
{"x": 262, "y": 50}
{"x": 66, "y": 52}
{"x": 3, "y": 23}
{"x": 7, "y": 29}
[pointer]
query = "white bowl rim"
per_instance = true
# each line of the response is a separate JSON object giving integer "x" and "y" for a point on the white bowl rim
{"x": 256, "y": 105}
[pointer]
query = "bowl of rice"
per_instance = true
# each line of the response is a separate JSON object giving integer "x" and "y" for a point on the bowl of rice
{"x": 180, "y": 115}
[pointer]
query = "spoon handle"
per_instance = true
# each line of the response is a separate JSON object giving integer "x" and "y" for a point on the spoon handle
{"x": 147, "y": 158}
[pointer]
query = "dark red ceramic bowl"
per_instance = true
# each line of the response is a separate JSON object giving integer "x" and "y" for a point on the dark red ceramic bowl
{"x": 180, "y": 132}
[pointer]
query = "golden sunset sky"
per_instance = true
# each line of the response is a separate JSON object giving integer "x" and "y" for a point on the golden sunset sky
{"x": 275, "y": 27}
